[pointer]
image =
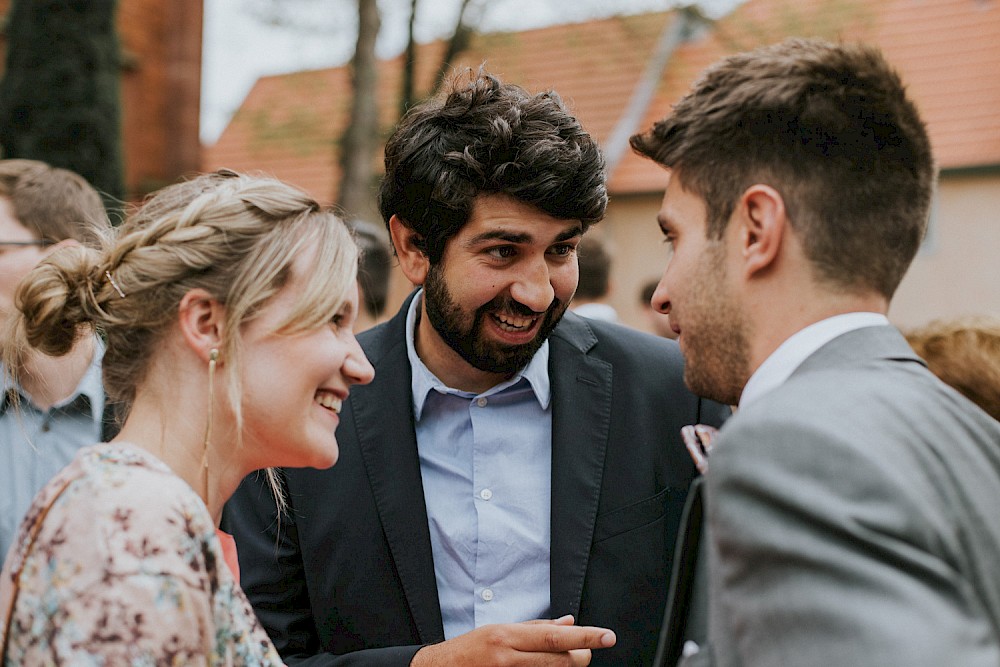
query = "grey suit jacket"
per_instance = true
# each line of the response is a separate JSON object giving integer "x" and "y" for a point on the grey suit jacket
{"x": 854, "y": 519}
{"x": 347, "y": 577}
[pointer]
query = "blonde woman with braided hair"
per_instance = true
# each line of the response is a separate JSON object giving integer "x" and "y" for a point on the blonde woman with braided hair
{"x": 227, "y": 303}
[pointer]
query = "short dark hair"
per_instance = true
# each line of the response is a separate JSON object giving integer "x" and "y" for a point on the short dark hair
{"x": 828, "y": 126}
{"x": 374, "y": 265}
{"x": 488, "y": 137}
{"x": 56, "y": 204}
{"x": 595, "y": 268}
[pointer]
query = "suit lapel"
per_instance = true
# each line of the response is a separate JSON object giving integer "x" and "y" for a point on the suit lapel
{"x": 388, "y": 445}
{"x": 581, "y": 418}
{"x": 681, "y": 597}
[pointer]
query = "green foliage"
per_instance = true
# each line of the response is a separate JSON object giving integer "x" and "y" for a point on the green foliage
{"x": 60, "y": 96}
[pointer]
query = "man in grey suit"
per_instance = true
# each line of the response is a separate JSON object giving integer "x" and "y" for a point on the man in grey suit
{"x": 852, "y": 504}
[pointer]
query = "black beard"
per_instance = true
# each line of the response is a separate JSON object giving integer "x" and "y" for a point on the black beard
{"x": 467, "y": 339}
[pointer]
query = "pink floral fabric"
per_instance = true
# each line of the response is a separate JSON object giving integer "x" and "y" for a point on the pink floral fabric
{"x": 125, "y": 569}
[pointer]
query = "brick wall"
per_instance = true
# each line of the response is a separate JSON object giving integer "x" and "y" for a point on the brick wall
{"x": 161, "y": 89}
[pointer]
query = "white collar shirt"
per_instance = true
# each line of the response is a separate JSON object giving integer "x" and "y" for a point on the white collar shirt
{"x": 780, "y": 365}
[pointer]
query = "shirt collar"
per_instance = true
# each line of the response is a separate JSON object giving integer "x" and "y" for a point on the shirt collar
{"x": 536, "y": 373}
{"x": 778, "y": 367}
{"x": 90, "y": 386}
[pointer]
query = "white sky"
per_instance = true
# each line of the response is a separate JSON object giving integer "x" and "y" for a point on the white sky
{"x": 240, "y": 44}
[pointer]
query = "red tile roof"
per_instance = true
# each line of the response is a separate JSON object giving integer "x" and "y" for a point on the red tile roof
{"x": 948, "y": 52}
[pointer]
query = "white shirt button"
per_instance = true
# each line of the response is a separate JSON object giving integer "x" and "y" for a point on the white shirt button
{"x": 485, "y": 494}
{"x": 487, "y": 594}
{"x": 481, "y": 401}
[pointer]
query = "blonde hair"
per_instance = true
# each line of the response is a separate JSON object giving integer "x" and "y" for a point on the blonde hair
{"x": 235, "y": 236}
{"x": 964, "y": 353}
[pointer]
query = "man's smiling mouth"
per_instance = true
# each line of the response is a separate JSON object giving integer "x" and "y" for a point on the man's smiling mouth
{"x": 513, "y": 323}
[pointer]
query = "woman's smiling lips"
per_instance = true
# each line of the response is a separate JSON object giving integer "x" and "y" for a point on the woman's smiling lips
{"x": 330, "y": 400}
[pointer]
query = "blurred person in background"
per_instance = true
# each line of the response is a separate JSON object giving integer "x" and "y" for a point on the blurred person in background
{"x": 57, "y": 404}
{"x": 659, "y": 322}
{"x": 594, "y": 288}
{"x": 965, "y": 353}
{"x": 373, "y": 273}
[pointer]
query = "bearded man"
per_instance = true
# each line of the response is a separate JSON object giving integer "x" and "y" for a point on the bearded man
{"x": 510, "y": 462}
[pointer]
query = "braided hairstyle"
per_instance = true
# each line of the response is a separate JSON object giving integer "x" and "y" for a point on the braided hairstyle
{"x": 235, "y": 236}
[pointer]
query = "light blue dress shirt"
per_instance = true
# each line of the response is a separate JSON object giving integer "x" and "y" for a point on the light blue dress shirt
{"x": 36, "y": 444}
{"x": 486, "y": 465}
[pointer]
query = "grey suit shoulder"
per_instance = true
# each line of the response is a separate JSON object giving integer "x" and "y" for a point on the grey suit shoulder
{"x": 853, "y": 517}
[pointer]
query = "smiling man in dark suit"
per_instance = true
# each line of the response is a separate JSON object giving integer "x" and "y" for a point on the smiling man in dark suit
{"x": 510, "y": 462}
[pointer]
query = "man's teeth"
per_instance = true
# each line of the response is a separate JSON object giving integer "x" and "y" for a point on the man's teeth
{"x": 515, "y": 322}
{"x": 328, "y": 401}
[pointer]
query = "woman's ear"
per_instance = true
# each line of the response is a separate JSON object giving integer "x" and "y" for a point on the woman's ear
{"x": 201, "y": 319}
{"x": 411, "y": 250}
{"x": 763, "y": 221}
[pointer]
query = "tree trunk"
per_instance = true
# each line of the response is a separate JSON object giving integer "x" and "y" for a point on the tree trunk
{"x": 408, "y": 94}
{"x": 459, "y": 42}
{"x": 359, "y": 143}
{"x": 60, "y": 96}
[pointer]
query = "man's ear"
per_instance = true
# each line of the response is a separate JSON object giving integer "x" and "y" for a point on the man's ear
{"x": 201, "y": 319}
{"x": 411, "y": 251}
{"x": 763, "y": 224}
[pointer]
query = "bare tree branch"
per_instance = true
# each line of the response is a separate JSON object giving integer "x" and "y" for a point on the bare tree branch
{"x": 360, "y": 140}
{"x": 459, "y": 42}
{"x": 408, "y": 93}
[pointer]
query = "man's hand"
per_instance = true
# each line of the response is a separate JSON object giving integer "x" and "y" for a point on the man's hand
{"x": 556, "y": 642}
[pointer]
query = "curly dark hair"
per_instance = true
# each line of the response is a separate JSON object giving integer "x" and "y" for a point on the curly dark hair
{"x": 831, "y": 128}
{"x": 488, "y": 137}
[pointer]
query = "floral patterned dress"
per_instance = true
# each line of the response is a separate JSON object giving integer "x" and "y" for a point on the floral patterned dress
{"x": 124, "y": 569}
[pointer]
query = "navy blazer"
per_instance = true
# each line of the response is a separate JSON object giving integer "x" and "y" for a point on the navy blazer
{"x": 346, "y": 577}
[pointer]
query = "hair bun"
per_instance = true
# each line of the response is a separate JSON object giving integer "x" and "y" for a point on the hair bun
{"x": 56, "y": 297}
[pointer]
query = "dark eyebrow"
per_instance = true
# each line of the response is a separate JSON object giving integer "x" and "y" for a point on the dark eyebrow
{"x": 522, "y": 237}
{"x": 572, "y": 232}
{"x": 498, "y": 235}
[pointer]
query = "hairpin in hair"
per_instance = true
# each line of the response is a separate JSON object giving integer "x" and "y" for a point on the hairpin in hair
{"x": 111, "y": 280}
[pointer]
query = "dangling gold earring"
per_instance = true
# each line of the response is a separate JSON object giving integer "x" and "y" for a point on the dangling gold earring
{"x": 213, "y": 356}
